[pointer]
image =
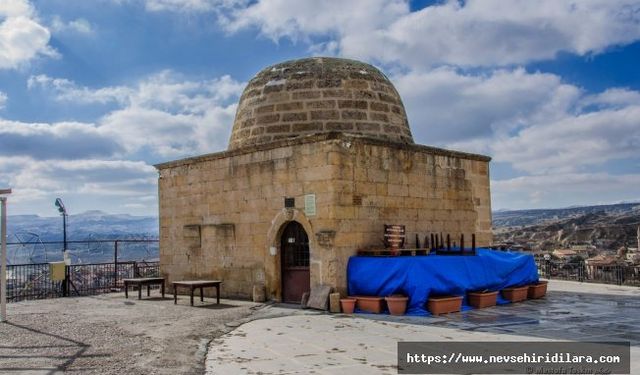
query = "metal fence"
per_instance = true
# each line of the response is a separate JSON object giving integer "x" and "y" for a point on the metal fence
{"x": 619, "y": 274}
{"x": 33, "y": 281}
{"x": 111, "y": 261}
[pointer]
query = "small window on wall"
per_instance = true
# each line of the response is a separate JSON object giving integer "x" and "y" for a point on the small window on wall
{"x": 289, "y": 202}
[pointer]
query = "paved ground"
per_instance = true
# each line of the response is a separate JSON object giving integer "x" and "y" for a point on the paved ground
{"x": 109, "y": 334}
{"x": 305, "y": 342}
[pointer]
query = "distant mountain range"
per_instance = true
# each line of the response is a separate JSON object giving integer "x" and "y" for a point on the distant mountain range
{"x": 91, "y": 225}
{"x": 88, "y": 225}
{"x": 606, "y": 227}
{"x": 516, "y": 218}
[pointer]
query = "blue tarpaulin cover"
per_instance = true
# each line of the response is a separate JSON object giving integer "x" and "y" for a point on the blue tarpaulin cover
{"x": 418, "y": 277}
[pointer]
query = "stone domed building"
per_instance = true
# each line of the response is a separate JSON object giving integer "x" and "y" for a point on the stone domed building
{"x": 320, "y": 158}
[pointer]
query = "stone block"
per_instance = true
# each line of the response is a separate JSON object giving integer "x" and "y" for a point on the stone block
{"x": 354, "y": 115}
{"x": 306, "y": 95}
{"x": 319, "y": 297}
{"x": 325, "y": 115}
{"x": 334, "y": 303}
{"x": 338, "y": 126}
{"x": 259, "y": 293}
{"x": 292, "y": 106}
{"x": 296, "y": 116}
{"x": 268, "y": 119}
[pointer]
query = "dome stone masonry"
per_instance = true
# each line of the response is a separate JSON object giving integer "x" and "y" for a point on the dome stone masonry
{"x": 319, "y": 95}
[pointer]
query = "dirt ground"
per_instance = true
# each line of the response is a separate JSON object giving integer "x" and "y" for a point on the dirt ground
{"x": 109, "y": 334}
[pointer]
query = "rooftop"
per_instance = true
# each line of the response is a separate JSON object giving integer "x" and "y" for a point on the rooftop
{"x": 319, "y": 94}
{"x": 109, "y": 334}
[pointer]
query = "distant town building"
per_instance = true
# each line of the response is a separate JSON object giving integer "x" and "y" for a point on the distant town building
{"x": 564, "y": 254}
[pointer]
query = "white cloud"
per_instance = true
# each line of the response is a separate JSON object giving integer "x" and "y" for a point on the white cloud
{"x": 66, "y": 90}
{"x": 36, "y": 179}
{"x": 300, "y": 19}
{"x": 3, "y": 99}
{"x": 164, "y": 114}
{"x": 189, "y": 5}
{"x": 15, "y": 8}
{"x": 470, "y": 33}
{"x": 77, "y": 26}
{"x": 448, "y": 107}
{"x": 65, "y": 140}
{"x": 564, "y": 189}
{"x": 574, "y": 143}
{"x": 22, "y": 37}
{"x": 533, "y": 121}
{"x": 615, "y": 97}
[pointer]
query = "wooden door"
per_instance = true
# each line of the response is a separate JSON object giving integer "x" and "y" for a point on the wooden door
{"x": 294, "y": 245}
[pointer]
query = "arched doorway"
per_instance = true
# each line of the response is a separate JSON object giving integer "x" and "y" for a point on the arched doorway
{"x": 294, "y": 245}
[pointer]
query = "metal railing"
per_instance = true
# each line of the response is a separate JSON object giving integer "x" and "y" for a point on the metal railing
{"x": 619, "y": 274}
{"x": 111, "y": 262}
{"x": 33, "y": 281}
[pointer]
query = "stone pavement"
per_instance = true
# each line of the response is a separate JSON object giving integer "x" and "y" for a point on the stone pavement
{"x": 303, "y": 342}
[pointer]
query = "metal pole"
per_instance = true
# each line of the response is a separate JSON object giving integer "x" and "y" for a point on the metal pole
{"x": 3, "y": 267}
{"x": 115, "y": 264}
{"x": 64, "y": 231}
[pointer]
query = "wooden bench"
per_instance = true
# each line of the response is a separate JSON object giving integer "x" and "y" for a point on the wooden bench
{"x": 196, "y": 284}
{"x": 142, "y": 281}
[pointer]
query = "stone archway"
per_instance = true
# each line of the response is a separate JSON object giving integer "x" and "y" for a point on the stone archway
{"x": 273, "y": 263}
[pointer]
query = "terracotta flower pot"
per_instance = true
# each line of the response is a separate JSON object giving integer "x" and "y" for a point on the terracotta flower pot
{"x": 397, "y": 304}
{"x": 347, "y": 305}
{"x": 481, "y": 300}
{"x": 516, "y": 294}
{"x": 444, "y": 305}
{"x": 370, "y": 304}
{"x": 538, "y": 290}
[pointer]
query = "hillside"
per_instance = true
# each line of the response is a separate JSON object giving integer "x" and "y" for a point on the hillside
{"x": 91, "y": 224}
{"x": 607, "y": 227}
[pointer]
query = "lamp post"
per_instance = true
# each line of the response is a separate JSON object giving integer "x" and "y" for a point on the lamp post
{"x": 63, "y": 212}
{"x": 3, "y": 255}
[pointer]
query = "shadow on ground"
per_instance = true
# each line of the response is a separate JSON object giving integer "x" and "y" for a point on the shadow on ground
{"x": 77, "y": 349}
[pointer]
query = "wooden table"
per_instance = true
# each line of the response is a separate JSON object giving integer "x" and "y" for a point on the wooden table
{"x": 196, "y": 284}
{"x": 140, "y": 282}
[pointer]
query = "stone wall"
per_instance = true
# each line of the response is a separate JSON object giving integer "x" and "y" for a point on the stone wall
{"x": 318, "y": 95}
{"x": 220, "y": 214}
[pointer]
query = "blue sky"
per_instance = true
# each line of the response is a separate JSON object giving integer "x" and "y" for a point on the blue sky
{"x": 93, "y": 93}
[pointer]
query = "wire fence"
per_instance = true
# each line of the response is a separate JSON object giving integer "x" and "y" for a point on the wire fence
{"x": 30, "y": 281}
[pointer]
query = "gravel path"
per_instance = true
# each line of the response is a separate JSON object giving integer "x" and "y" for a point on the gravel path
{"x": 109, "y": 334}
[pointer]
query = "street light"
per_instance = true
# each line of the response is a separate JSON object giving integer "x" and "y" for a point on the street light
{"x": 3, "y": 255}
{"x": 63, "y": 212}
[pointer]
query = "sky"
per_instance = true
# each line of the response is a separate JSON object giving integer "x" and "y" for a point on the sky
{"x": 94, "y": 93}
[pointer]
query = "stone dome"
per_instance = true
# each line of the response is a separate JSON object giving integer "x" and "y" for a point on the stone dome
{"x": 319, "y": 95}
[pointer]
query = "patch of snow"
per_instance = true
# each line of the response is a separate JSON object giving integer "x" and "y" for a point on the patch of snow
{"x": 362, "y": 71}
{"x": 274, "y": 82}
